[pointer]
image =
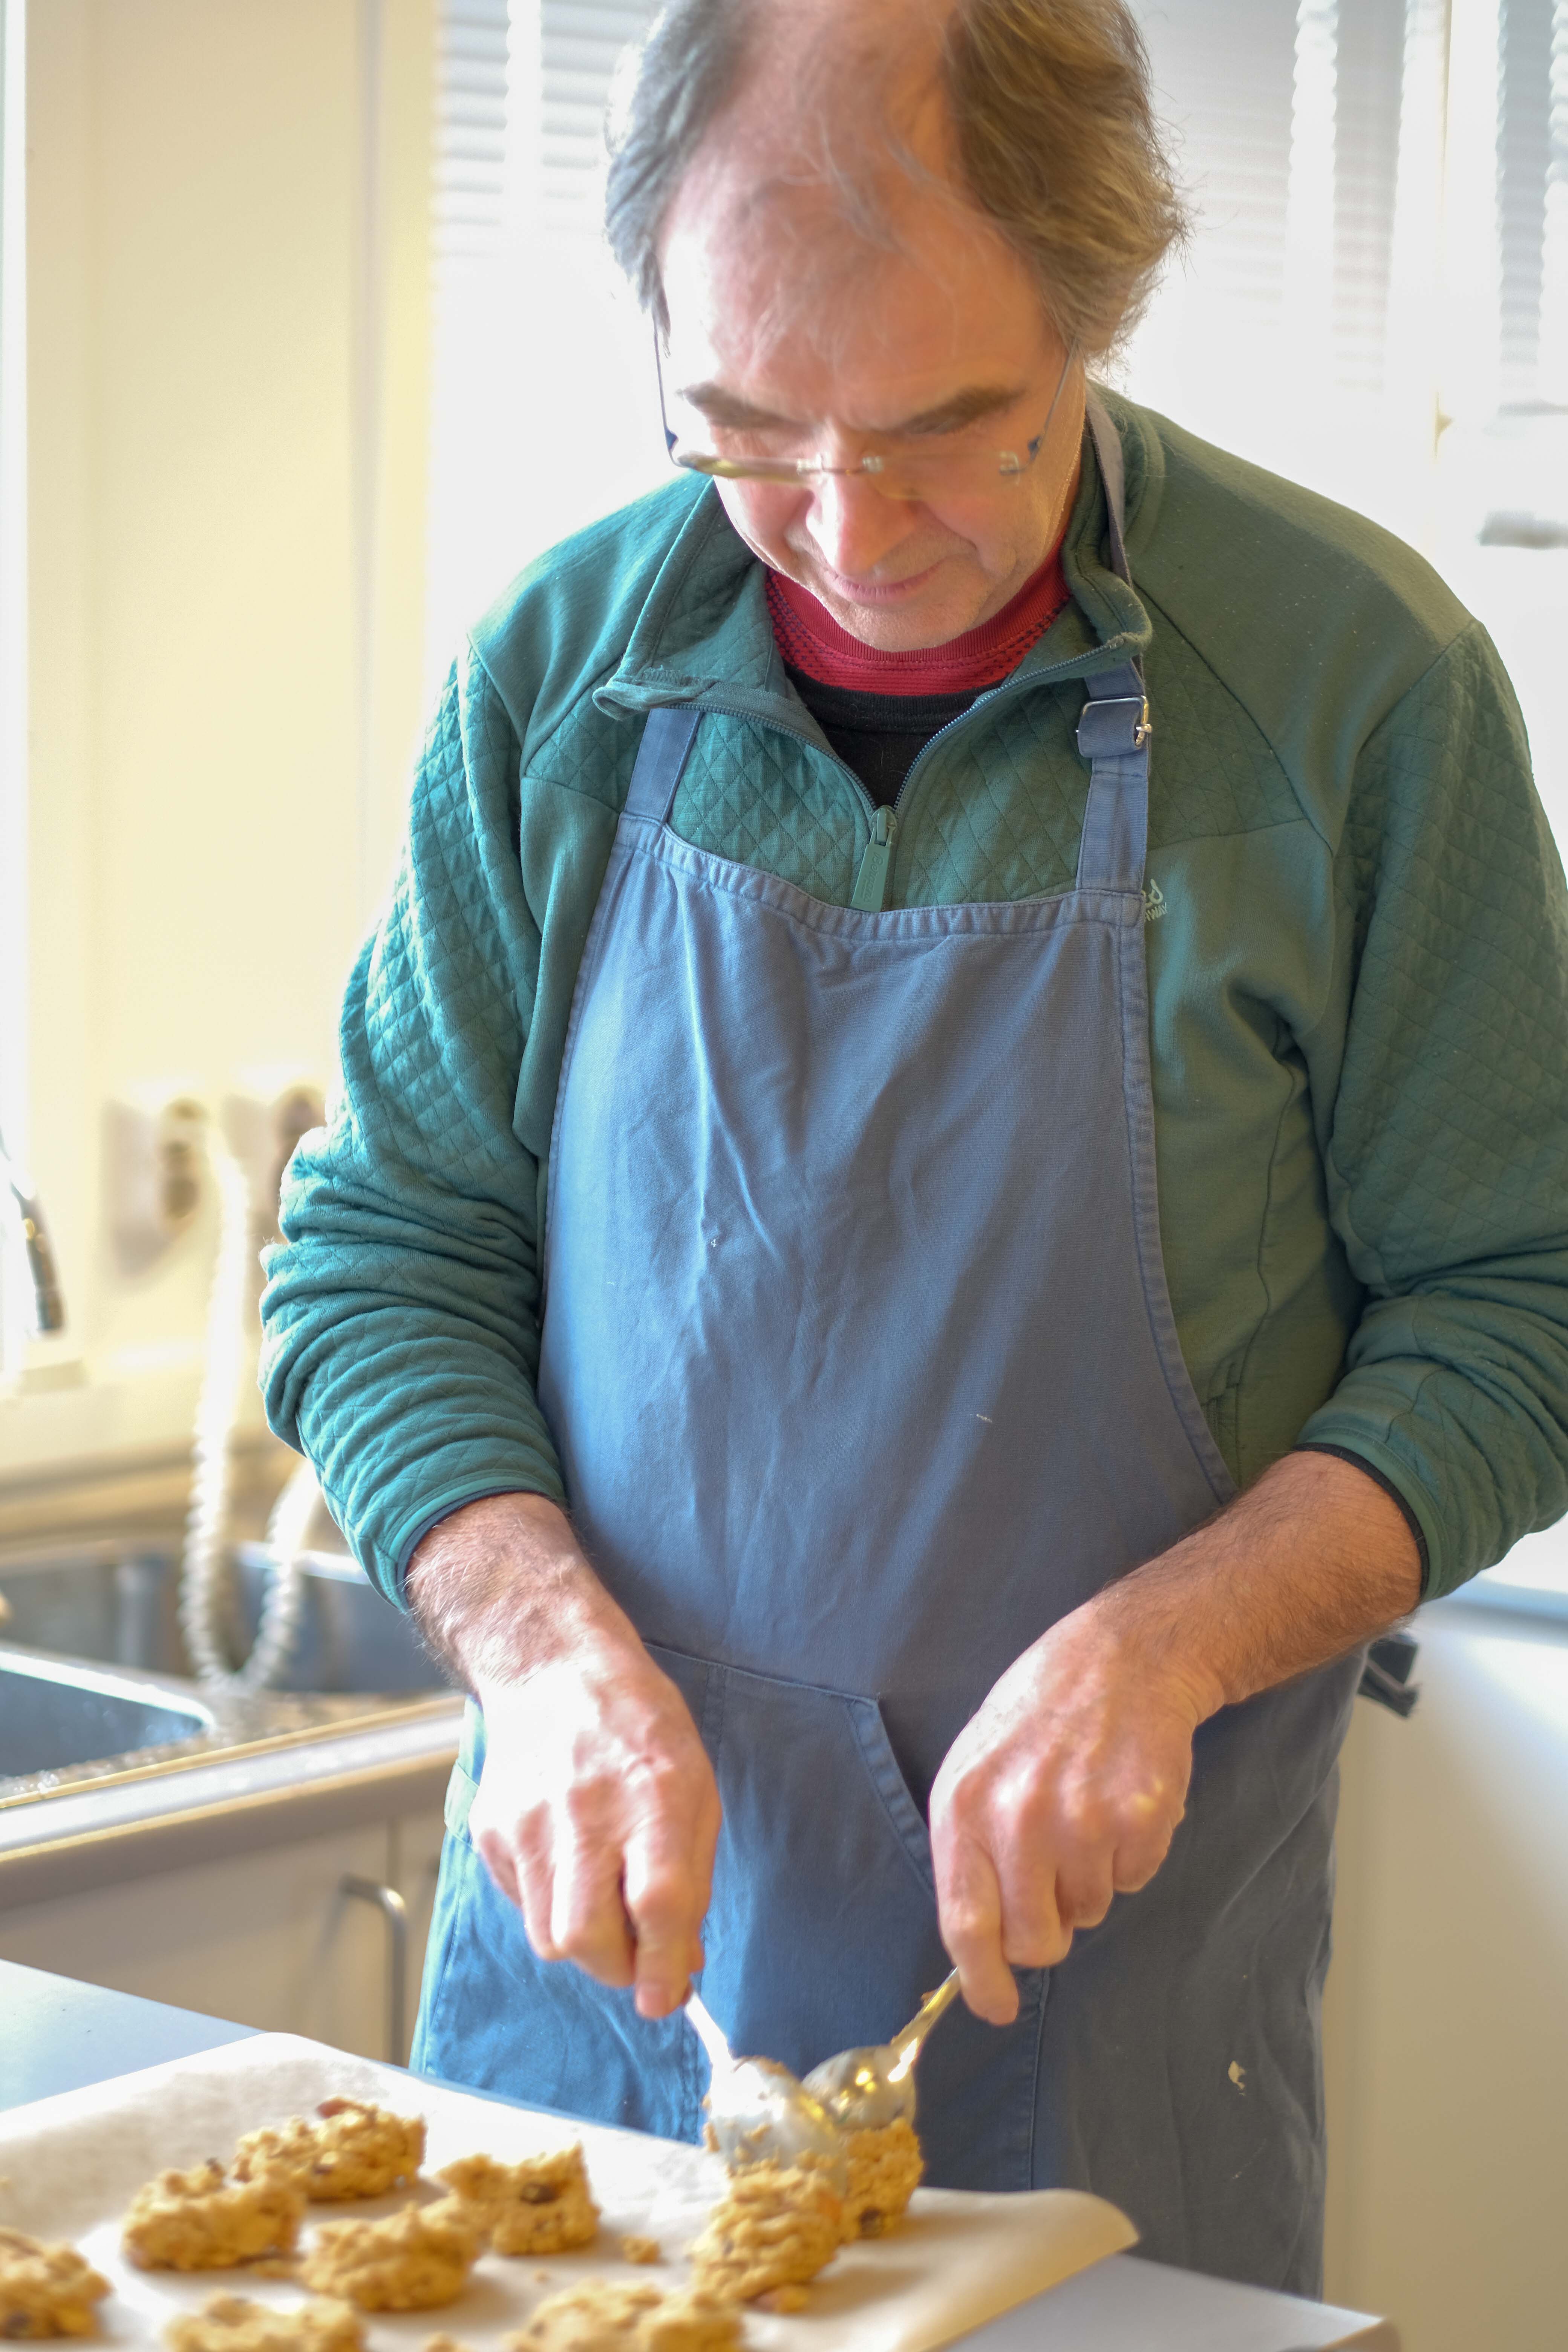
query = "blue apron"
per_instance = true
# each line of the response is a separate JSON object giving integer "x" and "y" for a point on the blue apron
{"x": 859, "y": 1358}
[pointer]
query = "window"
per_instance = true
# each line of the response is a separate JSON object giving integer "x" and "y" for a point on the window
{"x": 543, "y": 398}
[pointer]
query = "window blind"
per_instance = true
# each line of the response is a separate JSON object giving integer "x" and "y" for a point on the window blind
{"x": 580, "y": 44}
{"x": 542, "y": 412}
{"x": 470, "y": 147}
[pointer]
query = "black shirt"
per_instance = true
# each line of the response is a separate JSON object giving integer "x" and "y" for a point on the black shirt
{"x": 880, "y": 736}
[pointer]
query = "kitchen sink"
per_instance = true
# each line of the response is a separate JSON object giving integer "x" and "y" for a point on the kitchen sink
{"x": 59, "y": 1712}
{"x": 117, "y": 1602}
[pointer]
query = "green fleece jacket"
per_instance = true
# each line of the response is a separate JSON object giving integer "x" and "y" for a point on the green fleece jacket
{"x": 1358, "y": 957}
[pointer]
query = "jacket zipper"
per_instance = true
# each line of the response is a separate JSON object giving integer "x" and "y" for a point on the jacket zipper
{"x": 877, "y": 864}
{"x": 874, "y": 876}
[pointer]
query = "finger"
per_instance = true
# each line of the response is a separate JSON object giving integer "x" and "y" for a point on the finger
{"x": 1034, "y": 1932}
{"x": 668, "y": 1875}
{"x": 536, "y": 1900}
{"x": 496, "y": 1856}
{"x": 969, "y": 1914}
{"x": 1083, "y": 1893}
{"x": 588, "y": 1921}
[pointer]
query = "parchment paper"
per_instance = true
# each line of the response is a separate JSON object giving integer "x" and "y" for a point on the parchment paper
{"x": 69, "y": 2166}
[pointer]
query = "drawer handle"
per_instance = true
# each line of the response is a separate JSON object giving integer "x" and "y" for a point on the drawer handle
{"x": 395, "y": 1911}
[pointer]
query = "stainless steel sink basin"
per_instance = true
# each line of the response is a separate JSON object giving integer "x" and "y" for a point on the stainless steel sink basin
{"x": 56, "y": 1713}
{"x": 117, "y": 1602}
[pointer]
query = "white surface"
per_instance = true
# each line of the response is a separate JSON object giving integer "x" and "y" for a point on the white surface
{"x": 1446, "y": 2040}
{"x": 1127, "y": 2306}
{"x": 71, "y": 2164}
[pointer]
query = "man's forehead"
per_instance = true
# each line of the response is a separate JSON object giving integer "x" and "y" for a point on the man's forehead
{"x": 769, "y": 316}
{"x": 757, "y": 264}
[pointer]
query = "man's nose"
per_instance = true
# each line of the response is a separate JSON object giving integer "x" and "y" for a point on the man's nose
{"x": 853, "y": 527}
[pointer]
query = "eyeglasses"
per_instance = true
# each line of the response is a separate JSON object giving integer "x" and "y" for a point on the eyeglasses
{"x": 946, "y": 467}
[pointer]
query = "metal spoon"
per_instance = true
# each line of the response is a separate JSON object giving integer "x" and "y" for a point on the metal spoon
{"x": 758, "y": 2112}
{"x": 864, "y": 2090}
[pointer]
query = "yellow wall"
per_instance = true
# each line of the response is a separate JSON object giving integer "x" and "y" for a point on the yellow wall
{"x": 214, "y": 800}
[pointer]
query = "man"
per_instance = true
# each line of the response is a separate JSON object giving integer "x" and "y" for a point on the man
{"x": 748, "y": 1140}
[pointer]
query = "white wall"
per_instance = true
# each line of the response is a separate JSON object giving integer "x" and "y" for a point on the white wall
{"x": 1447, "y": 2018}
{"x": 214, "y": 797}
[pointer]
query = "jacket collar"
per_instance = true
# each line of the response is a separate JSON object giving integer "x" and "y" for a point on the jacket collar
{"x": 703, "y": 635}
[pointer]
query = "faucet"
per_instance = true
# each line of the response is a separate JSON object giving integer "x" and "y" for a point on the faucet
{"x": 17, "y": 1196}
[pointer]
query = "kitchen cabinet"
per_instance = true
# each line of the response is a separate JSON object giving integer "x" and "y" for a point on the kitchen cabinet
{"x": 268, "y": 1937}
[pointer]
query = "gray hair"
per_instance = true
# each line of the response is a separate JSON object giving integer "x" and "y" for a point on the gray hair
{"x": 1054, "y": 136}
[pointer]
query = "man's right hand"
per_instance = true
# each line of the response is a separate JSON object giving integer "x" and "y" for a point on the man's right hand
{"x": 597, "y": 1813}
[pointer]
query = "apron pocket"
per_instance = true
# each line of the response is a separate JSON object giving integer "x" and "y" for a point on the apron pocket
{"x": 821, "y": 1933}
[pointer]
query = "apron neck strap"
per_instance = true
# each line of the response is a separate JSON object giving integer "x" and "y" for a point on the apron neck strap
{"x": 667, "y": 739}
{"x": 1114, "y": 731}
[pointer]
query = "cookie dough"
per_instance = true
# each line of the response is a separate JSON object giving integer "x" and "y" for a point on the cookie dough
{"x": 541, "y": 2206}
{"x": 885, "y": 2170}
{"x": 203, "y": 2220}
{"x": 641, "y": 2250}
{"x": 777, "y": 2227}
{"x": 349, "y": 2148}
{"x": 44, "y": 2290}
{"x": 600, "y": 2318}
{"x": 228, "y": 2323}
{"x": 411, "y": 2261}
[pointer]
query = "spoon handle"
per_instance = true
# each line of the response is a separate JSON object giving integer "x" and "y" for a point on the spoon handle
{"x": 707, "y": 2033}
{"x": 907, "y": 2043}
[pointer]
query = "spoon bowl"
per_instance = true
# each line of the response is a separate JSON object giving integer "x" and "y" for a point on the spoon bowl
{"x": 870, "y": 2088}
{"x": 758, "y": 2112}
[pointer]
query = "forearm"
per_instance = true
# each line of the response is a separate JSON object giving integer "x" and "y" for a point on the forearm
{"x": 597, "y": 1812}
{"x": 501, "y": 1589}
{"x": 1067, "y": 1786}
{"x": 1313, "y": 1560}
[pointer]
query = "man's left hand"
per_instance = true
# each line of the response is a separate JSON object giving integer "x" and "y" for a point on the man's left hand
{"x": 1065, "y": 1788}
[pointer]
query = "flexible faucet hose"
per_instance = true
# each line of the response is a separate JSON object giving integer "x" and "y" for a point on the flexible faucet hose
{"x": 203, "y": 1581}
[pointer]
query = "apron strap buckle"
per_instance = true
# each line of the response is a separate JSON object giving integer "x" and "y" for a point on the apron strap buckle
{"x": 1115, "y": 728}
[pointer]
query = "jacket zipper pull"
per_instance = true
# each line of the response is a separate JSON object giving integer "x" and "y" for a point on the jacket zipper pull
{"x": 877, "y": 866}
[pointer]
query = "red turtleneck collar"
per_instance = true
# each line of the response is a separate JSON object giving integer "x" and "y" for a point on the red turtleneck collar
{"x": 810, "y": 640}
